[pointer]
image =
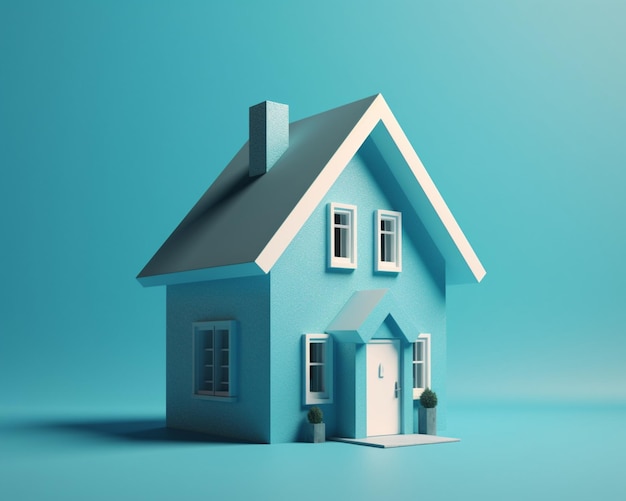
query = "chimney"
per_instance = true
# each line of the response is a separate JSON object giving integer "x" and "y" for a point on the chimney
{"x": 269, "y": 135}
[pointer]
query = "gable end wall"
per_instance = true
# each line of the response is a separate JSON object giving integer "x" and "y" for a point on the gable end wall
{"x": 306, "y": 296}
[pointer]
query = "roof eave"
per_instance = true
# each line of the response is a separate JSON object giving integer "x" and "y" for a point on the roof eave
{"x": 202, "y": 275}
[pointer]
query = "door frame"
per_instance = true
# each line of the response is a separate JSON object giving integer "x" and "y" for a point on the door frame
{"x": 399, "y": 350}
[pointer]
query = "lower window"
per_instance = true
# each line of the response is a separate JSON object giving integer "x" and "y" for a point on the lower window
{"x": 318, "y": 369}
{"x": 421, "y": 365}
{"x": 214, "y": 358}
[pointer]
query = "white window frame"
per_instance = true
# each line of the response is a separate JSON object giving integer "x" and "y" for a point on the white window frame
{"x": 326, "y": 396}
{"x": 211, "y": 357}
{"x": 425, "y": 365}
{"x": 350, "y": 261}
{"x": 395, "y": 265}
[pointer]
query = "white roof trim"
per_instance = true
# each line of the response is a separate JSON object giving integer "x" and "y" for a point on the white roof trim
{"x": 377, "y": 111}
{"x": 431, "y": 191}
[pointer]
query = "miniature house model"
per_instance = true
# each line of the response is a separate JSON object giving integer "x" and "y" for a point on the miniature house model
{"x": 312, "y": 272}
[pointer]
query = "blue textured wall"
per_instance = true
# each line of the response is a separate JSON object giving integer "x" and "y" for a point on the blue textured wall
{"x": 247, "y": 301}
{"x": 306, "y": 296}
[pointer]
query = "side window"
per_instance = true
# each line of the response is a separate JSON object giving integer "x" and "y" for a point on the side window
{"x": 342, "y": 248}
{"x": 214, "y": 350}
{"x": 388, "y": 241}
{"x": 318, "y": 369}
{"x": 421, "y": 365}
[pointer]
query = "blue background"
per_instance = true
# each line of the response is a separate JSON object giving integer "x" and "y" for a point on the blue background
{"x": 116, "y": 116}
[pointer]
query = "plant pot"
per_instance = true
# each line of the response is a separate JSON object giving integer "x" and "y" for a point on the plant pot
{"x": 428, "y": 421}
{"x": 316, "y": 433}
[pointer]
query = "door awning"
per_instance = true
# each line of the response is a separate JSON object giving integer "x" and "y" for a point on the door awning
{"x": 365, "y": 312}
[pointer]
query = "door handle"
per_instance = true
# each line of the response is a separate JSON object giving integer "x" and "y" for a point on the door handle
{"x": 397, "y": 390}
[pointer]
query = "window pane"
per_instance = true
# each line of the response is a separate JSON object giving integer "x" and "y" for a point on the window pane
{"x": 223, "y": 337}
{"x": 207, "y": 378}
{"x": 316, "y": 378}
{"x": 341, "y": 218}
{"x": 224, "y": 376}
{"x": 386, "y": 247}
{"x": 418, "y": 375}
{"x": 386, "y": 224}
{"x": 224, "y": 357}
{"x": 418, "y": 351}
{"x": 317, "y": 352}
{"x": 341, "y": 242}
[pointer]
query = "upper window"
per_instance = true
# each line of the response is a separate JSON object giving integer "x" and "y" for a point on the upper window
{"x": 342, "y": 238}
{"x": 214, "y": 358}
{"x": 388, "y": 241}
{"x": 421, "y": 365}
{"x": 318, "y": 366}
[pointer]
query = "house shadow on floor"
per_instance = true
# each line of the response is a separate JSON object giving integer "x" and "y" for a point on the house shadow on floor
{"x": 133, "y": 430}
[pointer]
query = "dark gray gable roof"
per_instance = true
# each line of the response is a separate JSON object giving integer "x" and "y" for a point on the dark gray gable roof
{"x": 242, "y": 225}
{"x": 238, "y": 215}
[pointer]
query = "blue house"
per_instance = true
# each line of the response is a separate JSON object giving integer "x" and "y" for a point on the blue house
{"x": 312, "y": 272}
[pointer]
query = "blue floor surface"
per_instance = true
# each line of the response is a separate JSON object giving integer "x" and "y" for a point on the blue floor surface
{"x": 506, "y": 453}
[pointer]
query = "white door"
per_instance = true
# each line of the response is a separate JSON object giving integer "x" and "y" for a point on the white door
{"x": 383, "y": 387}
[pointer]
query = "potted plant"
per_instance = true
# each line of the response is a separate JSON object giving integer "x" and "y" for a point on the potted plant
{"x": 316, "y": 430}
{"x": 428, "y": 412}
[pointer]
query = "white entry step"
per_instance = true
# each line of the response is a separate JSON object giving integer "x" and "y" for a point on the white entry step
{"x": 387, "y": 441}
